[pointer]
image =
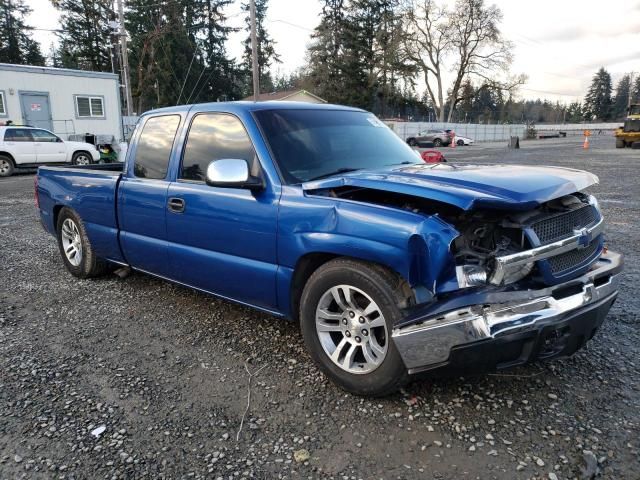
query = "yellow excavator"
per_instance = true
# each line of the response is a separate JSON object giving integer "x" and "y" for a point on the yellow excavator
{"x": 629, "y": 134}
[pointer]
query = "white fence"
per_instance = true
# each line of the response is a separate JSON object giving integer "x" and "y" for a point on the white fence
{"x": 577, "y": 129}
{"x": 476, "y": 131}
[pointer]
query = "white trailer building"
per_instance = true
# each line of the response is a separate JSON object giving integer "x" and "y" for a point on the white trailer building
{"x": 61, "y": 100}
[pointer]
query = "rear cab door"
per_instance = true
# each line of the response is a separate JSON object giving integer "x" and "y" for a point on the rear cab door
{"x": 221, "y": 239}
{"x": 21, "y": 145}
{"x": 142, "y": 193}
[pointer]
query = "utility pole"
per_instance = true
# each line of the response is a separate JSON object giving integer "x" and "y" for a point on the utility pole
{"x": 125, "y": 60}
{"x": 254, "y": 51}
{"x": 630, "y": 90}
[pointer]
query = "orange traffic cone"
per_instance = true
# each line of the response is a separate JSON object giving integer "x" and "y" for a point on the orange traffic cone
{"x": 585, "y": 145}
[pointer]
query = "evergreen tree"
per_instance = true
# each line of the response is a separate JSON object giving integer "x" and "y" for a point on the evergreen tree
{"x": 326, "y": 65}
{"x": 16, "y": 44}
{"x": 635, "y": 95}
{"x": 86, "y": 34}
{"x": 267, "y": 55}
{"x": 598, "y": 103}
{"x": 465, "y": 106}
{"x": 575, "y": 113}
{"x": 355, "y": 56}
{"x": 621, "y": 98}
{"x": 177, "y": 53}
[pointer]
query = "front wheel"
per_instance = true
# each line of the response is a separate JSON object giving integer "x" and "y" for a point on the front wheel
{"x": 348, "y": 309}
{"x": 412, "y": 142}
{"x": 81, "y": 158}
{"x": 437, "y": 142}
{"x": 460, "y": 143}
{"x": 620, "y": 143}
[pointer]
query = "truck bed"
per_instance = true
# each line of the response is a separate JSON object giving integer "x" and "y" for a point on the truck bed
{"x": 89, "y": 190}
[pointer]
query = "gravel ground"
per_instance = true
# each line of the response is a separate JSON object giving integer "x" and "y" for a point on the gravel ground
{"x": 135, "y": 377}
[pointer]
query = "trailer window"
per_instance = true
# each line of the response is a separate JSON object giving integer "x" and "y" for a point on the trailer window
{"x": 89, "y": 107}
{"x": 154, "y": 146}
{"x": 3, "y": 108}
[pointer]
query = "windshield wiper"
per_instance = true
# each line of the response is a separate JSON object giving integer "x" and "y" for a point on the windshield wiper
{"x": 335, "y": 172}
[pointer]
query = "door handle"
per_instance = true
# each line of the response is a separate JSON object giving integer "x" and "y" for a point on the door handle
{"x": 176, "y": 205}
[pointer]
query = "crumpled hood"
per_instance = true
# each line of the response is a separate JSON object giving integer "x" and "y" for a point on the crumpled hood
{"x": 514, "y": 187}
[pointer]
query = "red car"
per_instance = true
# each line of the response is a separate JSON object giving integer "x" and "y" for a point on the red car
{"x": 432, "y": 156}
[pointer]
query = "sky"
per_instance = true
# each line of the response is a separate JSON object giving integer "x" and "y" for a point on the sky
{"x": 558, "y": 44}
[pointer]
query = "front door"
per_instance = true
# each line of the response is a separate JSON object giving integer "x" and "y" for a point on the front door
{"x": 142, "y": 197}
{"x": 36, "y": 110}
{"x": 49, "y": 148}
{"x": 222, "y": 240}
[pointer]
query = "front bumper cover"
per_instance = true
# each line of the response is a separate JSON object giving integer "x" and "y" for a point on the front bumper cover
{"x": 529, "y": 325}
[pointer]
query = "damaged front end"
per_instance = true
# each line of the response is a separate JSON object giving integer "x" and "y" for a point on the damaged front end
{"x": 531, "y": 285}
{"x": 509, "y": 287}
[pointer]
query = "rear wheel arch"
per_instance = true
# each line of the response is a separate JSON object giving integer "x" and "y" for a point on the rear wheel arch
{"x": 56, "y": 214}
{"x": 9, "y": 156}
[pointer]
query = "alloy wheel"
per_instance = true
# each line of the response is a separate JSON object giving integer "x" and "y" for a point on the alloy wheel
{"x": 352, "y": 329}
{"x": 71, "y": 242}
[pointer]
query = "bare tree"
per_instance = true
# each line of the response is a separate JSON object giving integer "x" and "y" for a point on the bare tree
{"x": 467, "y": 39}
{"x": 427, "y": 41}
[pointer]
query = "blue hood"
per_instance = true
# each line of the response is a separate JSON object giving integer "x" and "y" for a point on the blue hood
{"x": 513, "y": 187}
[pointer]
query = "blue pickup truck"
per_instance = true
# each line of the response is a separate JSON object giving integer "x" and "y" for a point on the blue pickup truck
{"x": 322, "y": 215}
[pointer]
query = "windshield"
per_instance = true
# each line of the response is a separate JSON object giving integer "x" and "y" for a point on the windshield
{"x": 632, "y": 126}
{"x": 310, "y": 144}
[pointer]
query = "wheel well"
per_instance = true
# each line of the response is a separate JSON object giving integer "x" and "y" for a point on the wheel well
{"x": 81, "y": 151}
{"x": 304, "y": 269}
{"x": 56, "y": 214}
{"x": 9, "y": 156}
{"x": 311, "y": 262}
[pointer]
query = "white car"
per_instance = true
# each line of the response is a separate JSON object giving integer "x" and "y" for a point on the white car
{"x": 29, "y": 147}
{"x": 461, "y": 141}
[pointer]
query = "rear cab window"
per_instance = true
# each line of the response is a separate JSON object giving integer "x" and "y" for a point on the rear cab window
{"x": 215, "y": 136}
{"x": 18, "y": 135}
{"x": 153, "y": 150}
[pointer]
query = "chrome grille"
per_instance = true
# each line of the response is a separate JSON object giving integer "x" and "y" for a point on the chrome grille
{"x": 562, "y": 226}
{"x": 574, "y": 258}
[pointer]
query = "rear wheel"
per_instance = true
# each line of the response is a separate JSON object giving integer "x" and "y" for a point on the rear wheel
{"x": 635, "y": 145}
{"x": 348, "y": 309}
{"x": 6, "y": 166}
{"x": 412, "y": 142}
{"x": 81, "y": 158}
{"x": 75, "y": 248}
{"x": 437, "y": 142}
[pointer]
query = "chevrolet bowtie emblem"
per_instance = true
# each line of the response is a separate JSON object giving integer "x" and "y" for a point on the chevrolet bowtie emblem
{"x": 584, "y": 237}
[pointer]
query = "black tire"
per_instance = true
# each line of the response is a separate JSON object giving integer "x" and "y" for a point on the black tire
{"x": 437, "y": 142}
{"x": 620, "y": 143}
{"x": 6, "y": 166}
{"x": 460, "y": 143}
{"x": 635, "y": 145}
{"x": 90, "y": 265}
{"x": 82, "y": 158}
{"x": 388, "y": 291}
{"x": 412, "y": 142}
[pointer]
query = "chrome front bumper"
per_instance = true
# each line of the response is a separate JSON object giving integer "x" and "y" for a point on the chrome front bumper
{"x": 427, "y": 342}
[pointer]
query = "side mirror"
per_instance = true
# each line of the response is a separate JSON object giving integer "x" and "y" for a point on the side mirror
{"x": 232, "y": 173}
